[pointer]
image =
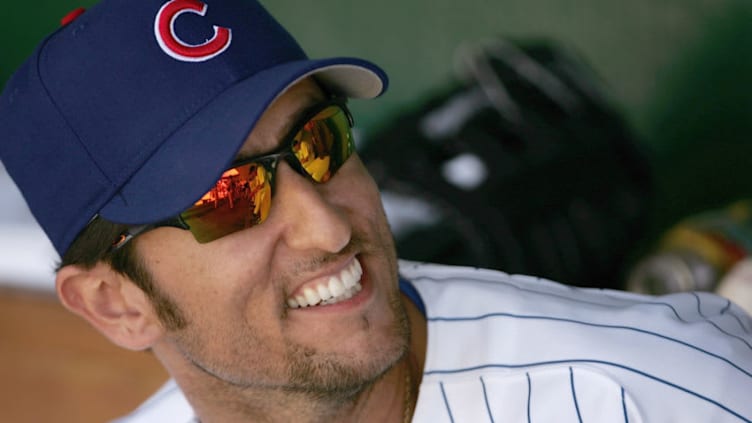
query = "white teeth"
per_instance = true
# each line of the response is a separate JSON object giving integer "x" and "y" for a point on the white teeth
{"x": 302, "y": 302}
{"x": 311, "y": 296}
{"x": 338, "y": 288}
{"x": 335, "y": 287}
{"x": 348, "y": 279}
{"x": 324, "y": 292}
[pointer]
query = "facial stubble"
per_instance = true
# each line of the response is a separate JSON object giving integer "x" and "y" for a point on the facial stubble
{"x": 320, "y": 376}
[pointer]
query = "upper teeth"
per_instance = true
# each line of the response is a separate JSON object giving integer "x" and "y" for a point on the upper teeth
{"x": 338, "y": 288}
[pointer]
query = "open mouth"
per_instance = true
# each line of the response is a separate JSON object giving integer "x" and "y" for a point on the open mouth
{"x": 338, "y": 288}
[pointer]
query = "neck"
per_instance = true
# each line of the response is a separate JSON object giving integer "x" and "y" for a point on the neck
{"x": 390, "y": 398}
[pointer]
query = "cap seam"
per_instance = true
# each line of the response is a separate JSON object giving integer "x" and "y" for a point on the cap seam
{"x": 73, "y": 229}
{"x": 42, "y": 56}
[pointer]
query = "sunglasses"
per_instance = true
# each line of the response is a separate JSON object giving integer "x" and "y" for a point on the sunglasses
{"x": 316, "y": 148}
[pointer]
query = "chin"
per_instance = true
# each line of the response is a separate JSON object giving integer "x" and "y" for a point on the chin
{"x": 342, "y": 377}
{"x": 357, "y": 365}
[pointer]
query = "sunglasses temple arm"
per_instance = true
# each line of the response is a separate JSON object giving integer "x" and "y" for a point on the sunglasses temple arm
{"x": 127, "y": 236}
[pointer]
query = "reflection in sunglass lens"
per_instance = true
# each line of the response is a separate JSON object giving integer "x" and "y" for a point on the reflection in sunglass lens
{"x": 323, "y": 144}
{"x": 242, "y": 197}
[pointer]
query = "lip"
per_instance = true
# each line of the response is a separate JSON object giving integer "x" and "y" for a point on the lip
{"x": 351, "y": 303}
{"x": 323, "y": 273}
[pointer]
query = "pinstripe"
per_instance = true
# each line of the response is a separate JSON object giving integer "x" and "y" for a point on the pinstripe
{"x": 726, "y": 309}
{"x": 529, "y": 394}
{"x": 588, "y": 361}
{"x": 485, "y": 397}
{"x": 574, "y": 394}
{"x": 446, "y": 402}
{"x": 728, "y": 306}
{"x": 554, "y": 295}
{"x": 699, "y": 311}
{"x": 600, "y": 325}
{"x": 712, "y": 323}
{"x": 699, "y": 308}
{"x": 738, "y": 320}
{"x": 624, "y": 406}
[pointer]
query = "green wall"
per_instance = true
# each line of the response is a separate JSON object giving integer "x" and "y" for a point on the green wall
{"x": 631, "y": 44}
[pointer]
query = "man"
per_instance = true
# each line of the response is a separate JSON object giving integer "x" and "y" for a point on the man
{"x": 124, "y": 119}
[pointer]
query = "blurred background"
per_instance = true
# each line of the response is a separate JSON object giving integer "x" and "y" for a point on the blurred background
{"x": 597, "y": 143}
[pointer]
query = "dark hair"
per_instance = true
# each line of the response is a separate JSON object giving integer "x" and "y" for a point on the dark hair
{"x": 92, "y": 246}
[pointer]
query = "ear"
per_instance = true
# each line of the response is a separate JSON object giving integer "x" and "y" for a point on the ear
{"x": 111, "y": 303}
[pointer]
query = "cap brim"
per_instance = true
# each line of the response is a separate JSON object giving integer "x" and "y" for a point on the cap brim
{"x": 190, "y": 160}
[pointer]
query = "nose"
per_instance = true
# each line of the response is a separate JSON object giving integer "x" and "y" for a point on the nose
{"x": 310, "y": 219}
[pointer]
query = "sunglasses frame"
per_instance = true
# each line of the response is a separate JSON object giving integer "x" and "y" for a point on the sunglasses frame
{"x": 283, "y": 152}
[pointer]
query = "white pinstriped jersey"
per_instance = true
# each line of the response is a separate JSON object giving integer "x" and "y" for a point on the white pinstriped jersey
{"x": 520, "y": 349}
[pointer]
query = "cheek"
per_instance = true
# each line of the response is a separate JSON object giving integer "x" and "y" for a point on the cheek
{"x": 369, "y": 205}
{"x": 196, "y": 276}
{"x": 354, "y": 189}
{"x": 360, "y": 197}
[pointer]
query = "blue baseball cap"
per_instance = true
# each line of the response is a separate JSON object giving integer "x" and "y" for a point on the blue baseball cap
{"x": 133, "y": 109}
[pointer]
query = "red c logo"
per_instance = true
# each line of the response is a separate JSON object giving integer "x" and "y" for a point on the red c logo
{"x": 164, "y": 30}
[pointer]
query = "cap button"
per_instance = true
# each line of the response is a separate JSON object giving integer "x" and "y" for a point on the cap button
{"x": 71, "y": 16}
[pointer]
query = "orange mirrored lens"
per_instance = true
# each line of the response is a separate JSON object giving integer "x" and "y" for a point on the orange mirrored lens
{"x": 240, "y": 199}
{"x": 243, "y": 195}
{"x": 324, "y": 143}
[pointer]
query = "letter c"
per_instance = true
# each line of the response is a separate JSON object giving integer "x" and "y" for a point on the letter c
{"x": 164, "y": 30}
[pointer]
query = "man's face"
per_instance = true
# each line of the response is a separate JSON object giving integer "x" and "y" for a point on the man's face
{"x": 235, "y": 291}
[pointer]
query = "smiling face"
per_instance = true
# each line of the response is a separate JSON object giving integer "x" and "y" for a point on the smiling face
{"x": 247, "y": 296}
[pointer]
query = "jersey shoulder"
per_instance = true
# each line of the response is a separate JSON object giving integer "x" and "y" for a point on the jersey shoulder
{"x": 463, "y": 292}
{"x": 494, "y": 334}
